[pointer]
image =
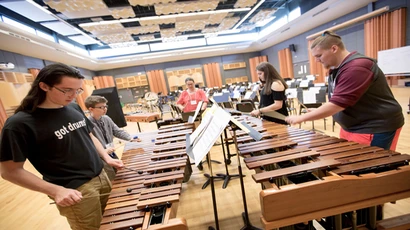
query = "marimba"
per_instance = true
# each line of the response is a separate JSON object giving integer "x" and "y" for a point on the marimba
{"x": 145, "y": 194}
{"x": 307, "y": 175}
{"x": 142, "y": 117}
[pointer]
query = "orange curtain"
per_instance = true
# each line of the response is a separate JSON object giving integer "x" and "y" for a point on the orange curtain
{"x": 316, "y": 68}
{"x": 386, "y": 31}
{"x": 156, "y": 81}
{"x": 253, "y": 62}
{"x": 34, "y": 72}
{"x": 3, "y": 116}
{"x": 285, "y": 63}
{"x": 103, "y": 82}
{"x": 213, "y": 75}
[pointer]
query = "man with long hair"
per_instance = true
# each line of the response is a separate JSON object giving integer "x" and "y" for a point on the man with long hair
{"x": 55, "y": 136}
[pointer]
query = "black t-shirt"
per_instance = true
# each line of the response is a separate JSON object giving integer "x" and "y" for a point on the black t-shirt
{"x": 56, "y": 142}
{"x": 269, "y": 99}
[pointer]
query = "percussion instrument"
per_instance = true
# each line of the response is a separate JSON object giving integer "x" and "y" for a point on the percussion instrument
{"x": 142, "y": 117}
{"x": 145, "y": 194}
{"x": 306, "y": 176}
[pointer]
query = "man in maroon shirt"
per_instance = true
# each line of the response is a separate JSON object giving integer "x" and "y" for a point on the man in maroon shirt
{"x": 360, "y": 99}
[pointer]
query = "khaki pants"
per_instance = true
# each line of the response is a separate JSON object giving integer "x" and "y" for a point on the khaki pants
{"x": 87, "y": 214}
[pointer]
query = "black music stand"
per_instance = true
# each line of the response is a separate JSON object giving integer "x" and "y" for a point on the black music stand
{"x": 225, "y": 177}
{"x": 235, "y": 126}
{"x": 202, "y": 142}
{"x": 211, "y": 179}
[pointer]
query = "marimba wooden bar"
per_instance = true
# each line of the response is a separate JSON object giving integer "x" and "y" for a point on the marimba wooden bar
{"x": 308, "y": 175}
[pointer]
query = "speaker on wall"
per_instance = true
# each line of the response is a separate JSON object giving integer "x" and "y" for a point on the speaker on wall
{"x": 292, "y": 47}
{"x": 114, "y": 106}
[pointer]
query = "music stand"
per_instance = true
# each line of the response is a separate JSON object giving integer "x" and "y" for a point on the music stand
{"x": 225, "y": 177}
{"x": 236, "y": 125}
{"x": 200, "y": 142}
{"x": 314, "y": 97}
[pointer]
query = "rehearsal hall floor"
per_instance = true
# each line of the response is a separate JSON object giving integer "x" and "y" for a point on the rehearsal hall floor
{"x": 24, "y": 209}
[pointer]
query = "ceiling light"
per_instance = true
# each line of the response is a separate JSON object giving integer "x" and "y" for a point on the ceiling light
{"x": 231, "y": 38}
{"x": 175, "y": 39}
{"x": 38, "y": 6}
{"x": 123, "y": 44}
{"x": 157, "y": 56}
{"x": 203, "y": 51}
{"x": 249, "y": 14}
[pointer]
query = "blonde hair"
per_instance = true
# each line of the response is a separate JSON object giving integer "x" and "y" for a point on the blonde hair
{"x": 327, "y": 40}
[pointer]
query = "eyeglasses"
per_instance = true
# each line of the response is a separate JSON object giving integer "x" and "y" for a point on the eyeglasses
{"x": 101, "y": 107}
{"x": 70, "y": 92}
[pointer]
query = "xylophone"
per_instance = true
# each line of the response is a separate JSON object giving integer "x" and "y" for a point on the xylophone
{"x": 307, "y": 175}
{"x": 142, "y": 117}
{"x": 145, "y": 194}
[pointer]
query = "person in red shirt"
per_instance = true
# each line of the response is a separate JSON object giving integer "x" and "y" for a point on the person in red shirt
{"x": 188, "y": 100}
{"x": 360, "y": 100}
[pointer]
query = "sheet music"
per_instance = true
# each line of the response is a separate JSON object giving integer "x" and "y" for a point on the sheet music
{"x": 211, "y": 132}
{"x": 314, "y": 89}
{"x": 236, "y": 94}
{"x": 310, "y": 77}
{"x": 198, "y": 108}
{"x": 304, "y": 83}
{"x": 291, "y": 93}
{"x": 249, "y": 95}
{"x": 206, "y": 116}
{"x": 309, "y": 97}
{"x": 255, "y": 88}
